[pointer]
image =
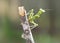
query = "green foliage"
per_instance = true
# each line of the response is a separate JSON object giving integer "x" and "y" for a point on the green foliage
{"x": 32, "y": 17}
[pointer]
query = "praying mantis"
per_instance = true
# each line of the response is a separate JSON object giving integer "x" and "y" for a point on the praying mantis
{"x": 32, "y": 17}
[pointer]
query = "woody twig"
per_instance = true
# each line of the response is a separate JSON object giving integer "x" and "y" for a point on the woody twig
{"x": 27, "y": 34}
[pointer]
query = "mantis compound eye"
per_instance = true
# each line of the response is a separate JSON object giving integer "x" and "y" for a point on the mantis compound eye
{"x": 21, "y": 11}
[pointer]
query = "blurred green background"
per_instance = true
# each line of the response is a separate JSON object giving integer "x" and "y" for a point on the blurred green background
{"x": 48, "y": 30}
